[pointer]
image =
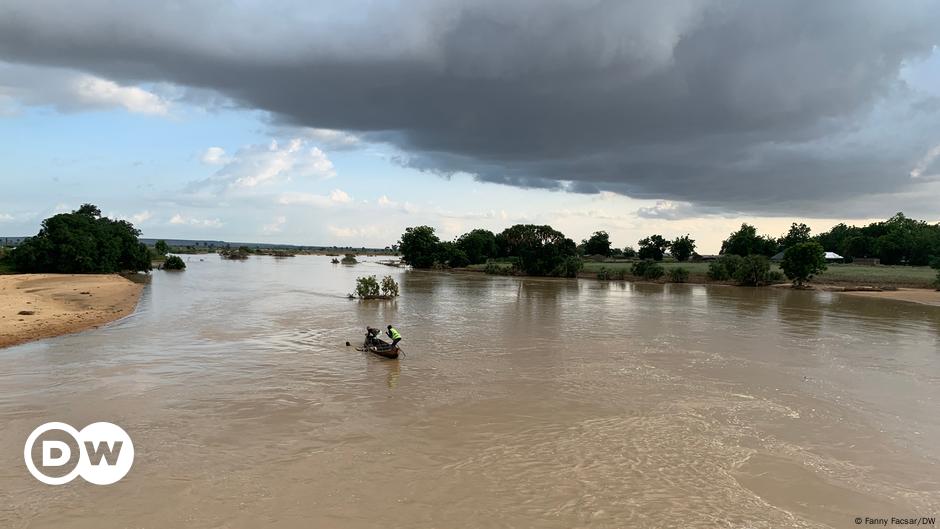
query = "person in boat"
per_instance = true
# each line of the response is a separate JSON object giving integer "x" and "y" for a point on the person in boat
{"x": 394, "y": 335}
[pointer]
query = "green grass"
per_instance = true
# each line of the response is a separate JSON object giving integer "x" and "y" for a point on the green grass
{"x": 913, "y": 276}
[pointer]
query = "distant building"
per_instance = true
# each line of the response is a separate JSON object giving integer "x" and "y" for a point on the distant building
{"x": 831, "y": 257}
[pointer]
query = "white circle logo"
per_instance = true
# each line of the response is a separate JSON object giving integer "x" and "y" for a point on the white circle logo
{"x": 105, "y": 453}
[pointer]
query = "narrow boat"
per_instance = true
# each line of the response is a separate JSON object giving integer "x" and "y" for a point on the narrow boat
{"x": 376, "y": 345}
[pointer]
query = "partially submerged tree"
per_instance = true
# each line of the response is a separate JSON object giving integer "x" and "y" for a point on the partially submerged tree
{"x": 174, "y": 262}
{"x": 419, "y": 246}
{"x": 802, "y": 261}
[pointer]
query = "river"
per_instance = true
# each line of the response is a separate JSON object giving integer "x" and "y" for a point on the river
{"x": 520, "y": 402}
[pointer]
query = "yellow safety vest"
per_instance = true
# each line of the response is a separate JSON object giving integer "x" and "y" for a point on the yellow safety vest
{"x": 393, "y": 332}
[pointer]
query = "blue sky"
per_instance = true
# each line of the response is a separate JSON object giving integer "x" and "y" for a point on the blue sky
{"x": 189, "y": 157}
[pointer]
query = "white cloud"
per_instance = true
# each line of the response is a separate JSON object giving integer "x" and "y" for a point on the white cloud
{"x": 5, "y": 217}
{"x": 95, "y": 91}
{"x": 337, "y": 196}
{"x": 350, "y": 232}
{"x": 925, "y": 162}
{"x": 71, "y": 91}
{"x": 276, "y": 225}
{"x": 335, "y": 139}
{"x": 255, "y": 165}
{"x": 179, "y": 219}
{"x": 214, "y": 156}
{"x": 406, "y": 207}
{"x": 143, "y": 216}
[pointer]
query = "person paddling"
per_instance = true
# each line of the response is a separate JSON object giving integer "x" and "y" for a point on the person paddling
{"x": 394, "y": 335}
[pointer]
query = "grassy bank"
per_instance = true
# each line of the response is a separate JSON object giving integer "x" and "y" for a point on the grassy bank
{"x": 836, "y": 274}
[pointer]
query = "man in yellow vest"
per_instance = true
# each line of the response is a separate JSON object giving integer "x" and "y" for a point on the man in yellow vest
{"x": 394, "y": 335}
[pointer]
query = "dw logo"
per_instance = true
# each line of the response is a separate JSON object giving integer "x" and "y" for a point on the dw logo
{"x": 103, "y": 453}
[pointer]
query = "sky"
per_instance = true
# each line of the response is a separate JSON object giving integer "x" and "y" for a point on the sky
{"x": 342, "y": 123}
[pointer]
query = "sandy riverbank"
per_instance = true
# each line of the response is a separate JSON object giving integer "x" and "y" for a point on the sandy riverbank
{"x": 913, "y": 295}
{"x": 35, "y": 306}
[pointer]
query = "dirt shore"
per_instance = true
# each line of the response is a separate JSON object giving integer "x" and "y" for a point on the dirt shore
{"x": 912, "y": 295}
{"x": 35, "y": 306}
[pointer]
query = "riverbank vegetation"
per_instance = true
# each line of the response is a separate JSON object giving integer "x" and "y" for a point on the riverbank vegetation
{"x": 901, "y": 245}
{"x": 173, "y": 262}
{"x": 525, "y": 248}
{"x": 82, "y": 242}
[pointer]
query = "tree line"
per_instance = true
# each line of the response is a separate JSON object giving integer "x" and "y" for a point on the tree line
{"x": 544, "y": 251}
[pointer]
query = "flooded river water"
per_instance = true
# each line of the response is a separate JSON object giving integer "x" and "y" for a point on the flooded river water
{"x": 524, "y": 403}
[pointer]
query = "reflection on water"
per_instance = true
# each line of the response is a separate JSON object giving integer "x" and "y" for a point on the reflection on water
{"x": 518, "y": 403}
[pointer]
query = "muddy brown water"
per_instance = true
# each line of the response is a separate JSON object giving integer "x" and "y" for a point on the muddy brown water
{"x": 519, "y": 403}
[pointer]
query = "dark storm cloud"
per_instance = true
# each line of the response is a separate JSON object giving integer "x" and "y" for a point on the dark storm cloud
{"x": 758, "y": 106}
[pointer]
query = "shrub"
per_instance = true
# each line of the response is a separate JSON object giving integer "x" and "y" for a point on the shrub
{"x": 717, "y": 271}
{"x": 753, "y": 270}
{"x": 569, "y": 267}
{"x": 678, "y": 275}
{"x": 647, "y": 269}
{"x": 349, "y": 259}
{"x": 367, "y": 287}
{"x": 174, "y": 262}
{"x": 389, "y": 287}
{"x": 234, "y": 253}
{"x": 724, "y": 268}
{"x": 775, "y": 276}
{"x": 802, "y": 261}
{"x": 494, "y": 268}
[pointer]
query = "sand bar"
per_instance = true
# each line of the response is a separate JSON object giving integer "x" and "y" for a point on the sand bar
{"x": 35, "y": 306}
{"x": 913, "y": 295}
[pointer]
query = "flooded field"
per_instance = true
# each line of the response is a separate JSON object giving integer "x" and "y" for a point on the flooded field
{"x": 519, "y": 403}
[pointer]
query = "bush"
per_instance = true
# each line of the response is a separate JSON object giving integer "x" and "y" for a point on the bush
{"x": 174, "y": 262}
{"x": 647, "y": 269}
{"x": 349, "y": 259}
{"x": 775, "y": 276}
{"x": 717, "y": 271}
{"x": 367, "y": 287}
{"x": 234, "y": 253}
{"x": 606, "y": 275}
{"x": 494, "y": 268}
{"x": 754, "y": 270}
{"x": 389, "y": 287}
{"x": 724, "y": 268}
{"x": 678, "y": 275}
{"x": 569, "y": 267}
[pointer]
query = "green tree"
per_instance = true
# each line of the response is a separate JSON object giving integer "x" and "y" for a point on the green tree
{"x": 478, "y": 246}
{"x": 629, "y": 252}
{"x": 161, "y": 247}
{"x": 798, "y": 233}
{"x": 802, "y": 261}
{"x": 83, "y": 242}
{"x": 540, "y": 250}
{"x": 419, "y": 246}
{"x": 746, "y": 241}
{"x": 682, "y": 248}
{"x": 653, "y": 247}
{"x": 597, "y": 244}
